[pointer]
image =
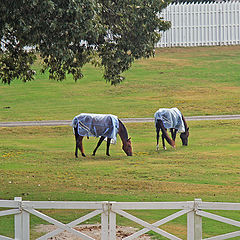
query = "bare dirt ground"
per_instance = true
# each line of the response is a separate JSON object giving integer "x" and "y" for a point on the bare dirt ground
{"x": 93, "y": 231}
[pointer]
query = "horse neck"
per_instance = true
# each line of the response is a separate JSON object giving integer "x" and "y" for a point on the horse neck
{"x": 122, "y": 132}
{"x": 185, "y": 123}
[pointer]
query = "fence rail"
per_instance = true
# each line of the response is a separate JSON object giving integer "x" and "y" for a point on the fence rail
{"x": 108, "y": 211}
{"x": 201, "y": 24}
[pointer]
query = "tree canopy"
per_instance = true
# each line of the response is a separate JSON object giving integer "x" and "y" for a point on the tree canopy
{"x": 70, "y": 33}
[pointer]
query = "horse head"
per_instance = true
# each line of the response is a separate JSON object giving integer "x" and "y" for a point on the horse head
{"x": 127, "y": 147}
{"x": 184, "y": 137}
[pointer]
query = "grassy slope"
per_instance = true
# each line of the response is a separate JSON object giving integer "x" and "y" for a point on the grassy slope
{"x": 46, "y": 155}
{"x": 38, "y": 163}
{"x": 198, "y": 80}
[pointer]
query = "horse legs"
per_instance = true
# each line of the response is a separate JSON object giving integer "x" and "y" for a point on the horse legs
{"x": 108, "y": 145}
{"x": 165, "y": 135}
{"x": 79, "y": 145}
{"x": 76, "y": 149}
{"x": 157, "y": 130}
{"x": 159, "y": 126}
{"x": 77, "y": 139}
{"x": 163, "y": 142}
{"x": 173, "y": 133}
{"x": 98, "y": 145}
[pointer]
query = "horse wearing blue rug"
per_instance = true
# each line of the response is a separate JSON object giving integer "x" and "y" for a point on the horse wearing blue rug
{"x": 105, "y": 126}
{"x": 172, "y": 119}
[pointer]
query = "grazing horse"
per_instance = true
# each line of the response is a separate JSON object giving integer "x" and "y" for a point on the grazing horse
{"x": 174, "y": 120}
{"x": 103, "y": 126}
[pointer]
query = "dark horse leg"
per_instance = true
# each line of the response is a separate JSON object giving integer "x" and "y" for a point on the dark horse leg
{"x": 100, "y": 142}
{"x": 79, "y": 145}
{"x": 157, "y": 130}
{"x": 98, "y": 145}
{"x": 159, "y": 125}
{"x": 163, "y": 141}
{"x": 108, "y": 145}
{"x": 173, "y": 133}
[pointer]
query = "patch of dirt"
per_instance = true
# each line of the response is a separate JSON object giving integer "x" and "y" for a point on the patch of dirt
{"x": 93, "y": 231}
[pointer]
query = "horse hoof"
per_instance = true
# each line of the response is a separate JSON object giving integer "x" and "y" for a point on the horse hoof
{"x": 108, "y": 155}
{"x": 83, "y": 155}
{"x": 165, "y": 148}
{"x": 93, "y": 154}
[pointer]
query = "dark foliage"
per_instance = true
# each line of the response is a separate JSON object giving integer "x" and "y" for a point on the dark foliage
{"x": 70, "y": 33}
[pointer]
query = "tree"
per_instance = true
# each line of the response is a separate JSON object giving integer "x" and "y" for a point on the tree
{"x": 70, "y": 33}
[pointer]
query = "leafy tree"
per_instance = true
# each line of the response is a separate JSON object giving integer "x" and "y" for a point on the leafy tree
{"x": 71, "y": 33}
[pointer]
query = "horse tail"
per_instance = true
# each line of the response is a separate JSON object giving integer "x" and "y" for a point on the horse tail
{"x": 164, "y": 132}
{"x": 75, "y": 130}
{"x": 75, "y": 127}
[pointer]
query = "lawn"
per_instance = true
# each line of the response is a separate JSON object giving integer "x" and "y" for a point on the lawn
{"x": 38, "y": 163}
{"x": 200, "y": 81}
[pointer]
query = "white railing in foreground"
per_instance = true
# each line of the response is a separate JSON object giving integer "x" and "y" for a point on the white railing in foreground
{"x": 108, "y": 211}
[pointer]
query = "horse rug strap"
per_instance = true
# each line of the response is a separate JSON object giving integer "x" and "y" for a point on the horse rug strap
{"x": 171, "y": 118}
{"x": 96, "y": 125}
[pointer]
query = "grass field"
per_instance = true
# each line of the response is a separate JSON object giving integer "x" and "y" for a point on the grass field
{"x": 200, "y": 81}
{"x": 37, "y": 163}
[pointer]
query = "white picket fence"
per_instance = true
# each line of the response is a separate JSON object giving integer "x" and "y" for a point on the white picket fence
{"x": 202, "y": 24}
{"x": 108, "y": 211}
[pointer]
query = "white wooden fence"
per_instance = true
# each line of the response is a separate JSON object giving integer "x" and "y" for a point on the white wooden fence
{"x": 108, "y": 211}
{"x": 202, "y": 24}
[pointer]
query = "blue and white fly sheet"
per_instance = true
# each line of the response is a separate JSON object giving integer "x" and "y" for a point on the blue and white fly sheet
{"x": 171, "y": 118}
{"x": 97, "y": 125}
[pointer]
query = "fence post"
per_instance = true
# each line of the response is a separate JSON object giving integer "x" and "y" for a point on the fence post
{"x": 26, "y": 225}
{"x": 104, "y": 222}
{"x": 112, "y": 223}
{"x": 21, "y": 222}
{"x": 18, "y": 220}
{"x": 194, "y": 223}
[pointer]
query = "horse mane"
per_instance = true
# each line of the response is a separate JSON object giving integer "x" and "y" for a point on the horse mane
{"x": 122, "y": 131}
{"x": 185, "y": 123}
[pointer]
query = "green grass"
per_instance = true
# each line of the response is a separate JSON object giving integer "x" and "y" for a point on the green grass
{"x": 38, "y": 163}
{"x": 200, "y": 81}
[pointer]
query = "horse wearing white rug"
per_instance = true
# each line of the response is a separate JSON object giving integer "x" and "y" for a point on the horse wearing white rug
{"x": 103, "y": 126}
{"x": 172, "y": 119}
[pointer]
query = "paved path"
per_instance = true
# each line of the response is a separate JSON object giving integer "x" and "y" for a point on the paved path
{"x": 126, "y": 120}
